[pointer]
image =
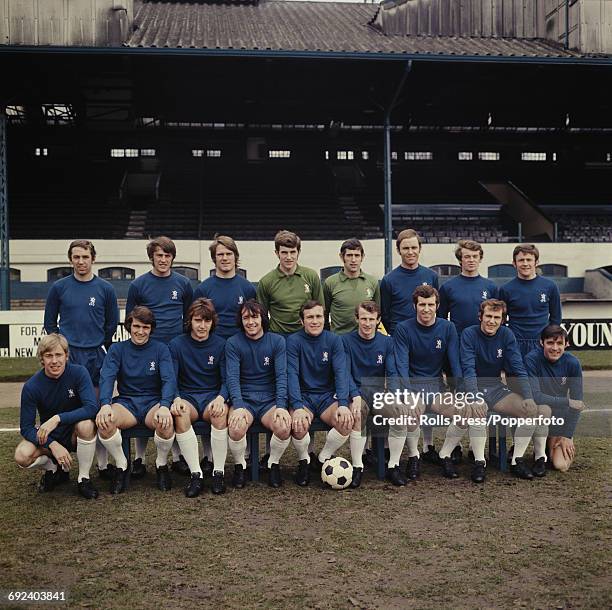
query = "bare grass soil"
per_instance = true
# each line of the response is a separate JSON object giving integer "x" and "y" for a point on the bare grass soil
{"x": 433, "y": 544}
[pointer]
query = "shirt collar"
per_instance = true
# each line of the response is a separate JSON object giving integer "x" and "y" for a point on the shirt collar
{"x": 343, "y": 277}
{"x": 280, "y": 274}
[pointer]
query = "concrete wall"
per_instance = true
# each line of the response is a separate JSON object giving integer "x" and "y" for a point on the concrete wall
{"x": 33, "y": 258}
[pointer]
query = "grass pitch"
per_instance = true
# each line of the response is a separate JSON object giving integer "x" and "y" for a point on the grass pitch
{"x": 433, "y": 544}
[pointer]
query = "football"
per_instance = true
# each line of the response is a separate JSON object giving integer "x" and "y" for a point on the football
{"x": 337, "y": 473}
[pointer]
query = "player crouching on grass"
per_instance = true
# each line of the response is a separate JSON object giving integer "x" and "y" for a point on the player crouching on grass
{"x": 257, "y": 381}
{"x": 370, "y": 357}
{"x": 199, "y": 363}
{"x": 64, "y": 397}
{"x": 146, "y": 384}
{"x": 318, "y": 387}
{"x": 556, "y": 380}
{"x": 486, "y": 351}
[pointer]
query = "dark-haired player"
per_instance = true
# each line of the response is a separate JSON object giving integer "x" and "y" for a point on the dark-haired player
{"x": 63, "y": 396}
{"x": 462, "y": 294}
{"x": 286, "y": 288}
{"x": 370, "y": 357}
{"x": 199, "y": 362}
{"x": 556, "y": 380}
{"x": 145, "y": 380}
{"x": 344, "y": 290}
{"x": 423, "y": 345}
{"x": 88, "y": 316}
{"x": 486, "y": 351}
{"x": 257, "y": 382}
{"x": 318, "y": 387}
{"x": 533, "y": 301}
{"x": 227, "y": 289}
{"x": 168, "y": 295}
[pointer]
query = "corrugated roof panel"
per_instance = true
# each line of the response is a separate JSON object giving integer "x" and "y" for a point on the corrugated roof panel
{"x": 306, "y": 26}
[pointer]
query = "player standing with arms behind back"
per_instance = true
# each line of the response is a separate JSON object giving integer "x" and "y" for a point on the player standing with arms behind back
{"x": 168, "y": 295}
{"x": 88, "y": 317}
{"x": 533, "y": 302}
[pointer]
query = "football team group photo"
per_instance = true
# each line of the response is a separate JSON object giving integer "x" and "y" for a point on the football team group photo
{"x": 293, "y": 350}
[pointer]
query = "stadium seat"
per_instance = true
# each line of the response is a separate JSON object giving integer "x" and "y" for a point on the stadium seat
{"x": 202, "y": 429}
{"x": 325, "y": 272}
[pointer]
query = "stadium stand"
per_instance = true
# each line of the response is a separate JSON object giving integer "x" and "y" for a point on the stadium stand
{"x": 73, "y": 200}
{"x": 249, "y": 201}
{"x": 578, "y": 200}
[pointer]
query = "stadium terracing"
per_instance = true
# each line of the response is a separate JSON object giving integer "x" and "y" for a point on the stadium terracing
{"x": 486, "y": 118}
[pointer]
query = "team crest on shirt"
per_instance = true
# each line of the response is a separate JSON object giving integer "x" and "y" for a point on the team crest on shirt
{"x": 240, "y": 300}
{"x": 325, "y": 357}
{"x": 563, "y": 380}
{"x": 152, "y": 365}
{"x": 500, "y": 353}
{"x": 379, "y": 359}
{"x": 92, "y": 301}
{"x": 70, "y": 393}
{"x": 543, "y": 297}
{"x": 174, "y": 295}
{"x": 307, "y": 288}
{"x": 438, "y": 343}
{"x": 266, "y": 360}
{"x": 211, "y": 359}
{"x": 485, "y": 295}
{"x": 369, "y": 293}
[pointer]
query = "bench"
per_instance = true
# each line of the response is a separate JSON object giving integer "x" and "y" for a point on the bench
{"x": 202, "y": 428}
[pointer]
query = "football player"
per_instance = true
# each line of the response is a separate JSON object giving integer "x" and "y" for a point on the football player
{"x": 199, "y": 362}
{"x": 168, "y": 295}
{"x": 63, "y": 395}
{"x": 145, "y": 380}
{"x": 257, "y": 382}
{"x": 318, "y": 387}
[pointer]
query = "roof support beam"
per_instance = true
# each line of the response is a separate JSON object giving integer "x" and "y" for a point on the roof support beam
{"x": 348, "y": 55}
{"x": 5, "y": 269}
{"x": 387, "y": 169}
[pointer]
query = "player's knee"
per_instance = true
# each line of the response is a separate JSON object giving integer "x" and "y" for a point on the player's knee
{"x": 235, "y": 433}
{"x": 559, "y": 461}
{"x": 344, "y": 430}
{"x": 164, "y": 433}
{"x": 109, "y": 431}
{"x": 86, "y": 429}
{"x": 23, "y": 456}
{"x": 462, "y": 423}
{"x": 544, "y": 410}
{"x": 219, "y": 421}
{"x": 182, "y": 422}
{"x": 281, "y": 431}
